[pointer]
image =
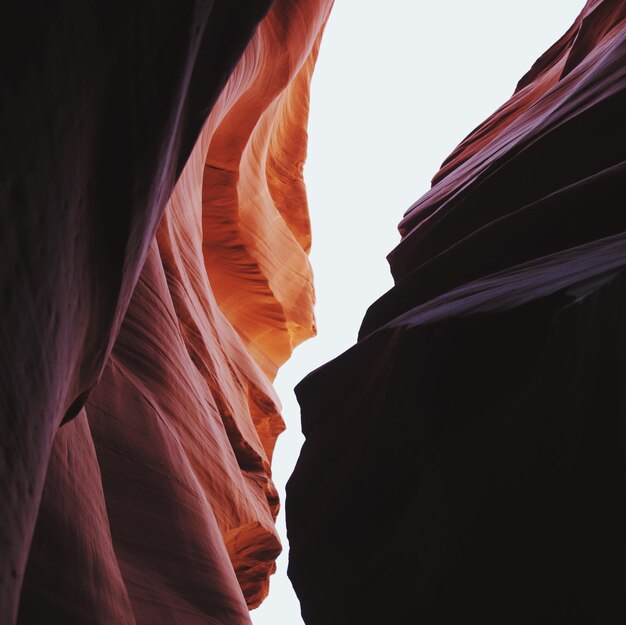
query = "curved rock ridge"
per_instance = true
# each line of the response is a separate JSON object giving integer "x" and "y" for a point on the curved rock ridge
{"x": 480, "y": 477}
{"x": 256, "y": 231}
{"x": 158, "y": 504}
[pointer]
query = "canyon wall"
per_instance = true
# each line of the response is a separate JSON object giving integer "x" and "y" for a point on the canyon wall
{"x": 155, "y": 276}
{"x": 465, "y": 459}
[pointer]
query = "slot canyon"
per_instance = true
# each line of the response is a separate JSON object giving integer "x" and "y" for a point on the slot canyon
{"x": 463, "y": 460}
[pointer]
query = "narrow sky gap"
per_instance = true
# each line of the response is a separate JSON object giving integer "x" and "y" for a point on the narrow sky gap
{"x": 397, "y": 86}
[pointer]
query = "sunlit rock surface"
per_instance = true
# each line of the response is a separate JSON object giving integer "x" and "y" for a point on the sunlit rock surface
{"x": 158, "y": 505}
{"x": 464, "y": 461}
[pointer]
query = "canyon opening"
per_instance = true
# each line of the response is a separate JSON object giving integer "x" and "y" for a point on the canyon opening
{"x": 462, "y": 445}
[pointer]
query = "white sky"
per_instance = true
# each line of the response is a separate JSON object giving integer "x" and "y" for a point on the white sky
{"x": 397, "y": 86}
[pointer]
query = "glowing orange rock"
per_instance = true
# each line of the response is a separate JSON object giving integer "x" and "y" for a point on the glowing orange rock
{"x": 248, "y": 229}
{"x": 159, "y": 497}
{"x": 254, "y": 220}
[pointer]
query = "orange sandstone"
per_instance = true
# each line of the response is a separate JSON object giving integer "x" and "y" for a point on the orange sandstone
{"x": 160, "y": 492}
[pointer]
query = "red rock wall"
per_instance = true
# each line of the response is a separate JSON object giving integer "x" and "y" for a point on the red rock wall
{"x": 480, "y": 477}
{"x": 158, "y": 504}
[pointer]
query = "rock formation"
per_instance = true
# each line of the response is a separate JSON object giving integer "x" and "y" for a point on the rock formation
{"x": 480, "y": 477}
{"x": 147, "y": 303}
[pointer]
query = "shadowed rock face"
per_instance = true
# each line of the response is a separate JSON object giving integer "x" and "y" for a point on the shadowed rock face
{"x": 158, "y": 505}
{"x": 481, "y": 474}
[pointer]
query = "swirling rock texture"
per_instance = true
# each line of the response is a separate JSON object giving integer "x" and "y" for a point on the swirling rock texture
{"x": 464, "y": 461}
{"x": 147, "y": 304}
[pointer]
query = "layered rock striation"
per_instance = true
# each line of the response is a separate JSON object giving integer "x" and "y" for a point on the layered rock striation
{"x": 480, "y": 475}
{"x": 155, "y": 275}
